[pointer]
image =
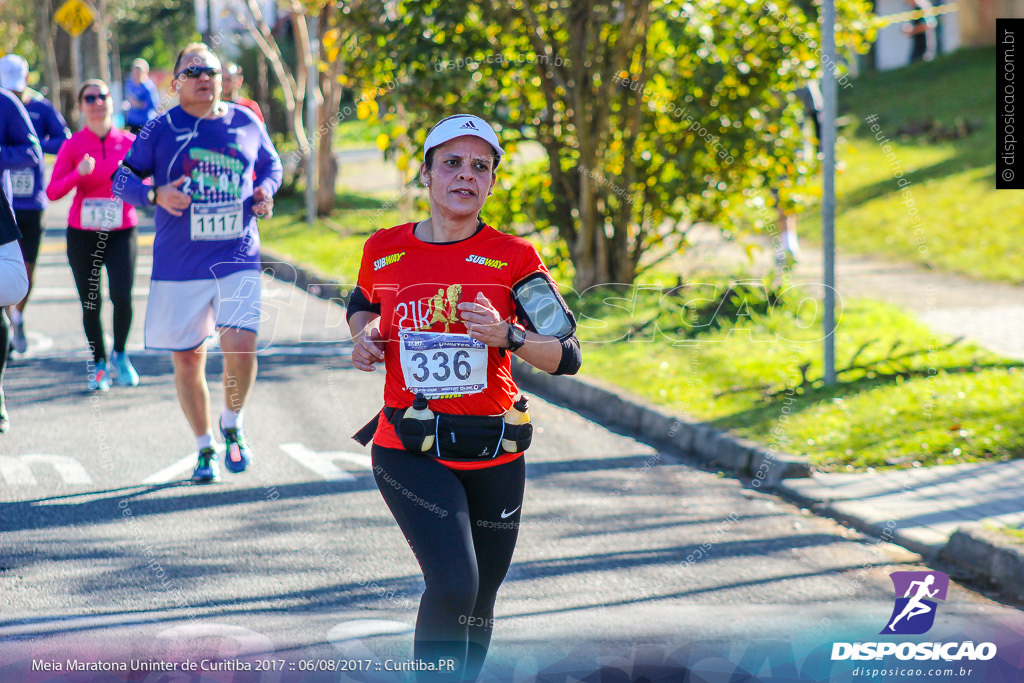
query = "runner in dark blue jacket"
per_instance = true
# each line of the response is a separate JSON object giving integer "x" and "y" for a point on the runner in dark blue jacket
{"x": 19, "y": 149}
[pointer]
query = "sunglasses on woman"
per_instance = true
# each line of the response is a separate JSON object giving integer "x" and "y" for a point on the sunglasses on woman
{"x": 197, "y": 71}
{"x": 91, "y": 99}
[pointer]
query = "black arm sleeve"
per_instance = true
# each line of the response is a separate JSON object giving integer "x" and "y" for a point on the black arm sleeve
{"x": 572, "y": 357}
{"x": 138, "y": 174}
{"x": 358, "y": 302}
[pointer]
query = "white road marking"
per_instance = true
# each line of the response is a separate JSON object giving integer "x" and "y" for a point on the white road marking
{"x": 347, "y": 637}
{"x": 364, "y": 628}
{"x": 169, "y": 473}
{"x": 323, "y": 462}
{"x": 16, "y": 470}
{"x": 194, "y": 642}
{"x": 41, "y": 293}
{"x": 37, "y": 343}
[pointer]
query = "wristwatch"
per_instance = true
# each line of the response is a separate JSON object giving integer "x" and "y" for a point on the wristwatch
{"x": 516, "y": 337}
{"x": 151, "y": 195}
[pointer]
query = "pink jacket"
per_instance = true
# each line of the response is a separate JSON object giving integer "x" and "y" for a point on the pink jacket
{"x": 94, "y": 190}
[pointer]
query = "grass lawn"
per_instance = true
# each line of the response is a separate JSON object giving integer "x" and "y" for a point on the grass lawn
{"x": 332, "y": 245}
{"x": 965, "y": 225}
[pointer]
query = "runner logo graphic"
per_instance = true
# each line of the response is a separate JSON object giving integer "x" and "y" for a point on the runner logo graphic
{"x": 913, "y": 612}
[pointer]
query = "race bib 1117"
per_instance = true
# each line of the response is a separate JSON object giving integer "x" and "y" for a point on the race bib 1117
{"x": 216, "y": 221}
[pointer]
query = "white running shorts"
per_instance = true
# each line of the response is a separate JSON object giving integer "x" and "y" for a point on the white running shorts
{"x": 181, "y": 315}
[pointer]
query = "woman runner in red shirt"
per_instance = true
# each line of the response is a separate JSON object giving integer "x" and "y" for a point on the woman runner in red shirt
{"x": 443, "y": 303}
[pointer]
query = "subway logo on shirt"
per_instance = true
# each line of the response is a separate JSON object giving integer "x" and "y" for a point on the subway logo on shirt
{"x": 489, "y": 262}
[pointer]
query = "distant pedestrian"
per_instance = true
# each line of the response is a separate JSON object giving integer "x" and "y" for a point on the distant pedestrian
{"x": 788, "y": 249}
{"x": 922, "y": 32}
{"x": 233, "y": 79}
{"x": 214, "y": 172}
{"x": 19, "y": 149}
{"x": 141, "y": 98}
{"x": 28, "y": 183}
{"x": 101, "y": 230}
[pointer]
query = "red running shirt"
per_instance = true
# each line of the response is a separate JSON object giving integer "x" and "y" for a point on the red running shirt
{"x": 418, "y": 286}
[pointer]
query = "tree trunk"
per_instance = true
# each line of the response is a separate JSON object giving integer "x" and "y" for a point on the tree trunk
{"x": 51, "y": 75}
{"x": 66, "y": 69}
{"x": 292, "y": 86}
{"x": 263, "y": 89}
{"x": 327, "y": 163}
{"x": 102, "y": 41}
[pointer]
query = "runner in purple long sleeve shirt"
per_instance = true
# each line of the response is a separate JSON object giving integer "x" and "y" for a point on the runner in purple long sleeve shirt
{"x": 214, "y": 172}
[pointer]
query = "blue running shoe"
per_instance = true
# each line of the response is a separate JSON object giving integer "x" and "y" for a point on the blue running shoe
{"x": 237, "y": 455}
{"x": 207, "y": 470}
{"x": 126, "y": 376}
{"x": 99, "y": 379}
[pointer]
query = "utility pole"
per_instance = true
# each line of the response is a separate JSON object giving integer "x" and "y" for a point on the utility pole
{"x": 828, "y": 204}
{"x": 312, "y": 125}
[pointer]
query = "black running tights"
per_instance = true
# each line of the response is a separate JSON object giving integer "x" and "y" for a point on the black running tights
{"x": 88, "y": 252}
{"x": 462, "y": 526}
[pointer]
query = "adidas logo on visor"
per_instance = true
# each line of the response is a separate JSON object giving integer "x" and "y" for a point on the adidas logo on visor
{"x": 468, "y": 124}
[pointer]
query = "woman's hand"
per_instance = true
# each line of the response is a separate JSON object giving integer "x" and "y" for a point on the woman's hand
{"x": 86, "y": 166}
{"x": 483, "y": 322}
{"x": 368, "y": 349}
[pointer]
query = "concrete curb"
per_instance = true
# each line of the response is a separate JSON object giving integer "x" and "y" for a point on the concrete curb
{"x": 654, "y": 425}
{"x": 990, "y": 554}
{"x": 979, "y": 550}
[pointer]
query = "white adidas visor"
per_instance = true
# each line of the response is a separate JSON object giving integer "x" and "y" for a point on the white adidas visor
{"x": 458, "y": 125}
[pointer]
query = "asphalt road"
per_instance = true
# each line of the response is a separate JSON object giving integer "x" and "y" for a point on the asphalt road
{"x": 629, "y": 559}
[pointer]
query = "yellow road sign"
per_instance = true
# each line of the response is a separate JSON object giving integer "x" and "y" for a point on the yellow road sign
{"x": 74, "y": 16}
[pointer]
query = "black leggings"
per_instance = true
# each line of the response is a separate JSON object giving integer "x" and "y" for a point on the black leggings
{"x": 462, "y": 526}
{"x": 88, "y": 252}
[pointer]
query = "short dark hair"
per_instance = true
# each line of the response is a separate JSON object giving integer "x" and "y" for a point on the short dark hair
{"x": 93, "y": 82}
{"x": 190, "y": 48}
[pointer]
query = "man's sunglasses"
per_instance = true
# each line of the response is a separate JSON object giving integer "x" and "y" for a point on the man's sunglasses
{"x": 197, "y": 71}
{"x": 91, "y": 99}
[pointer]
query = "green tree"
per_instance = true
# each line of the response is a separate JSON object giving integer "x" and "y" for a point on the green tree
{"x": 314, "y": 23}
{"x": 652, "y": 114}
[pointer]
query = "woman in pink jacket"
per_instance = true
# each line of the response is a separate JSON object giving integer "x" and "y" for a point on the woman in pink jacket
{"x": 101, "y": 230}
